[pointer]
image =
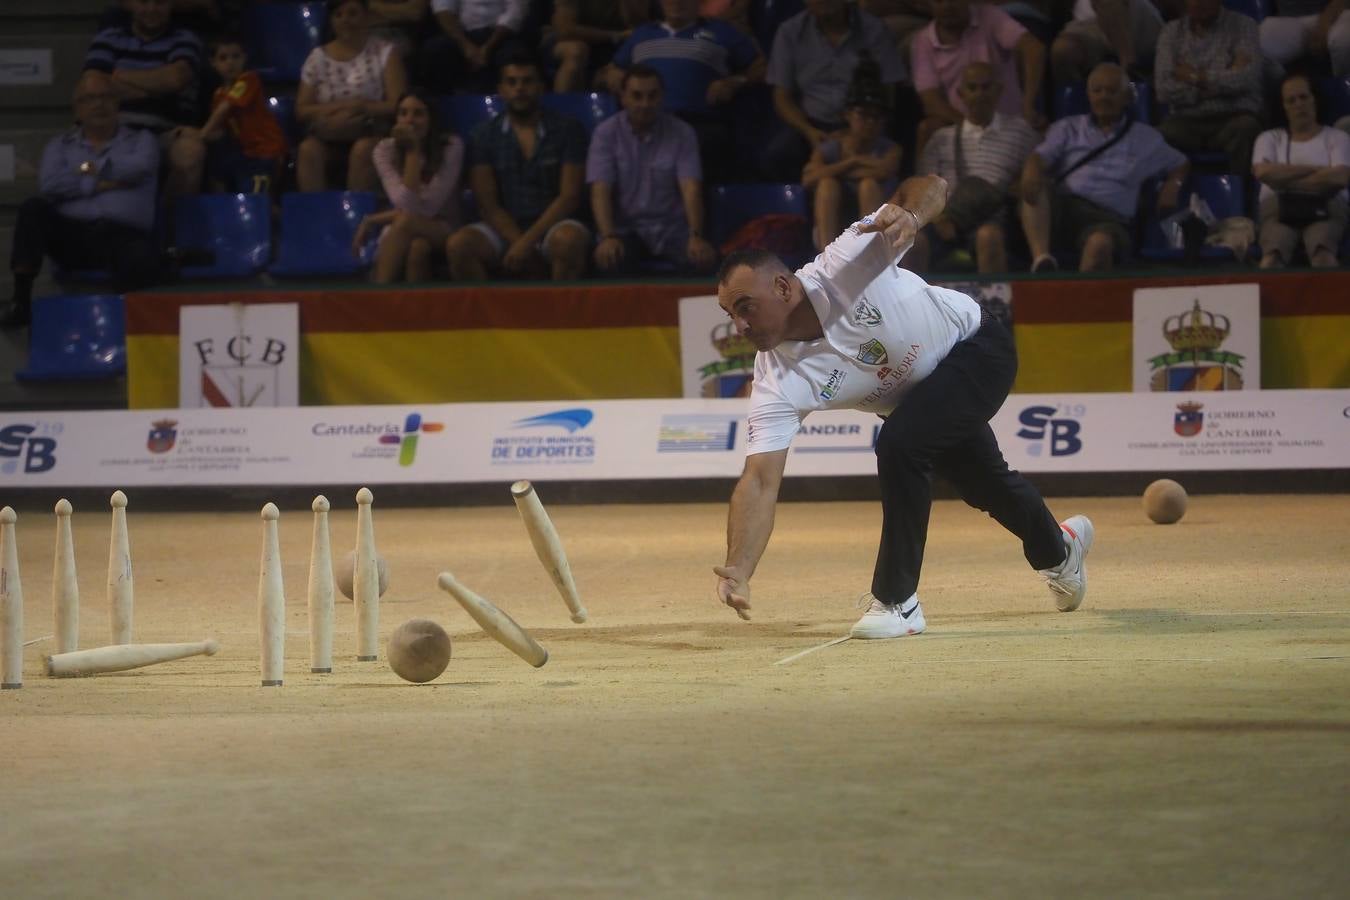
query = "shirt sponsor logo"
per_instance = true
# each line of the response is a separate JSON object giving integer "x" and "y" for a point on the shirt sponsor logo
{"x": 866, "y": 315}
{"x": 892, "y": 378}
{"x": 872, "y": 353}
{"x": 832, "y": 386}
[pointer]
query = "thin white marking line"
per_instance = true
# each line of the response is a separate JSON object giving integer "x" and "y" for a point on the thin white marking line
{"x": 838, "y": 640}
{"x": 1271, "y": 612}
{"x": 1122, "y": 659}
{"x": 45, "y": 637}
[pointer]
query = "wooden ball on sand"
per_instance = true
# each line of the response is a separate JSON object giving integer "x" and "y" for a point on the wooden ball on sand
{"x": 1165, "y": 501}
{"x": 418, "y": 650}
{"x": 344, "y": 573}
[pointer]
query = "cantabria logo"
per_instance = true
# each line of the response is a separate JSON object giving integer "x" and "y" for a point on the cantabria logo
{"x": 390, "y": 439}
{"x": 407, "y": 441}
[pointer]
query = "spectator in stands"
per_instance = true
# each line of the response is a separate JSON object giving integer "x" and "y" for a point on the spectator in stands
{"x": 400, "y": 22}
{"x": 963, "y": 33}
{"x": 420, "y": 167}
{"x": 981, "y": 157}
{"x": 246, "y": 147}
{"x": 477, "y": 37}
{"x": 646, "y": 184}
{"x": 527, "y": 170}
{"x": 204, "y": 18}
{"x": 1303, "y": 169}
{"x": 97, "y": 205}
{"x": 1084, "y": 178}
{"x": 813, "y": 60}
{"x": 704, "y": 64}
{"x": 859, "y": 165}
{"x": 903, "y": 19}
{"x": 1317, "y": 28}
{"x": 154, "y": 75}
{"x": 348, "y": 90}
{"x": 1209, "y": 72}
{"x": 1125, "y": 29}
{"x": 585, "y": 35}
{"x": 735, "y": 13}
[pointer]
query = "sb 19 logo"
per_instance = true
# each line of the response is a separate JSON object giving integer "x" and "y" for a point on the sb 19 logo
{"x": 28, "y": 448}
{"x": 1057, "y": 427}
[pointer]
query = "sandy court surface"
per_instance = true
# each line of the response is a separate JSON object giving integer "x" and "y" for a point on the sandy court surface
{"x": 1187, "y": 733}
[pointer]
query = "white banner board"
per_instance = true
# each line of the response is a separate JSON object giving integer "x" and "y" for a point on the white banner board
{"x": 239, "y": 355}
{"x": 643, "y": 439}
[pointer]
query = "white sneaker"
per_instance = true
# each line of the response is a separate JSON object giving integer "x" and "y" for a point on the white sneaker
{"x": 1068, "y": 580}
{"x": 885, "y": 621}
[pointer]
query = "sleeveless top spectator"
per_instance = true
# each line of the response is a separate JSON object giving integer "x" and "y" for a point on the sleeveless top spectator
{"x": 359, "y": 78}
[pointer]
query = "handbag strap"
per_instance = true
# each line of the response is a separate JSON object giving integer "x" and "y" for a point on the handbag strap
{"x": 1098, "y": 150}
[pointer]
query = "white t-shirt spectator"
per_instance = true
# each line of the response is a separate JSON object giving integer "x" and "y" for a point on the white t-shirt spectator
{"x": 476, "y": 14}
{"x": 359, "y": 78}
{"x": 1329, "y": 147}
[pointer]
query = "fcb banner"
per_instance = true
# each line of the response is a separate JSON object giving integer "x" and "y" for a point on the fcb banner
{"x": 643, "y": 439}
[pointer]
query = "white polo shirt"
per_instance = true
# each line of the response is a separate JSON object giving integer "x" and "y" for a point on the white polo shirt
{"x": 885, "y": 330}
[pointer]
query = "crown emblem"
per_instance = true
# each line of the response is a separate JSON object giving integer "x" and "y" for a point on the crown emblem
{"x": 164, "y": 424}
{"x": 1190, "y": 407}
{"x": 729, "y": 343}
{"x": 1196, "y": 330}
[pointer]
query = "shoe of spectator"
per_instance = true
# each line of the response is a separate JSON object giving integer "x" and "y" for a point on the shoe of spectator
{"x": 1045, "y": 263}
{"x": 15, "y": 315}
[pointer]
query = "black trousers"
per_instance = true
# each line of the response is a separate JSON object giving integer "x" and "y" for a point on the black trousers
{"x": 942, "y": 426}
{"x": 39, "y": 230}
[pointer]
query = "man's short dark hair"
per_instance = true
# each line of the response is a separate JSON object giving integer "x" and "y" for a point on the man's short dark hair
{"x": 754, "y": 257}
{"x": 523, "y": 59}
{"x": 230, "y": 39}
{"x": 640, "y": 70}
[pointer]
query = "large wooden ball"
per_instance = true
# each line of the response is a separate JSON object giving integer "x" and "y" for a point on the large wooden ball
{"x": 1165, "y": 501}
{"x": 418, "y": 650}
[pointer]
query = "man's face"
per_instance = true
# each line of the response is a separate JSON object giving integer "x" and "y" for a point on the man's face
{"x": 679, "y": 10}
{"x": 1203, "y": 11}
{"x": 95, "y": 103}
{"x": 228, "y": 61}
{"x": 642, "y": 101}
{"x": 979, "y": 92}
{"x": 520, "y": 87}
{"x": 1106, "y": 94}
{"x": 150, "y": 16}
{"x": 825, "y": 9}
{"x": 952, "y": 13}
{"x": 757, "y": 302}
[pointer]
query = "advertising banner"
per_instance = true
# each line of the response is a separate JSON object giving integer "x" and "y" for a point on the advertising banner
{"x": 643, "y": 439}
{"x": 1199, "y": 338}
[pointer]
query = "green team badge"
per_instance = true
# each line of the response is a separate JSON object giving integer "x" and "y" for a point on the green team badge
{"x": 872, "y": 353}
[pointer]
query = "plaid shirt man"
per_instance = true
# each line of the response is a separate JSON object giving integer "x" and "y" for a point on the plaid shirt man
{"x": 1229, "y": 55}
{"x": 526, "y": 187}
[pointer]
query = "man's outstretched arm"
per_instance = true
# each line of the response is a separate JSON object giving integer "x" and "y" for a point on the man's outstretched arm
{"x": 915, "y": 203}
{"x": 749, "y": 524}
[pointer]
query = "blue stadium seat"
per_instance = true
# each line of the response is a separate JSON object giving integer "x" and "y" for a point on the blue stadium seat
{"x": 236, "y": 227}
{"x": 1257, "y": 9}
{"x": 1334, "y": 97}
{"x": 76, "y": 337}
{"x": 462, "y": 112}
{"x": 317, "y": 230}
{"x": 1226, "y": 196}
{"x": 591, "y": 109}
{"x": 283, "y": 108}
{"x": 732, "y": 205}
{"x": 767, "y": 15}
{"x": 1071, "y": 100}
{"x": 281, "y": 35}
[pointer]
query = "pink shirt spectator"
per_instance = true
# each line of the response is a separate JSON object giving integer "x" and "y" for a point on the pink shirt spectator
{"x": 991, "y": 37}
{"x": 438, "y": 198}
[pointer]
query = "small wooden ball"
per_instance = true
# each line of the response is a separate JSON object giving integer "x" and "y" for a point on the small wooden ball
{"x": 418, "y": 650}
{"x": 1165, "y": 501}
{"x": 344, "y": 574}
